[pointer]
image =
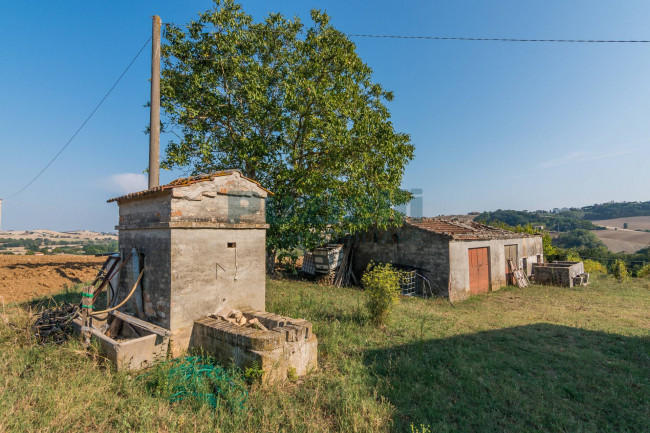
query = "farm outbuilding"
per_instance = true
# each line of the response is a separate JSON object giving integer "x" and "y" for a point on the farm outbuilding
{"x": 191, "y": 275}
{"x": 460, "y": 258}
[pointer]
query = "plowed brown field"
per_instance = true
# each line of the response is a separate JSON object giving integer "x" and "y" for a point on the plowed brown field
{"x": 24, "y": 277}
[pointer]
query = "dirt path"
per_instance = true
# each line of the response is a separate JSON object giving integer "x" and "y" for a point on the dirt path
{"x": 25, "y": 277}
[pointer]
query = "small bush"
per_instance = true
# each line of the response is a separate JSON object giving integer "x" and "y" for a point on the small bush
{"x": 644, "y": 272}
{"x": 573, "y": 256}
{"x": 288, "y": 261}
{"x": 620, "y": 270}
{"x": 382, "y": 284}
{"x": 594, "y": 267}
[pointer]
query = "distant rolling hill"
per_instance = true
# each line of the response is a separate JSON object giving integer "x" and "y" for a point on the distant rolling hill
{"x": 628, "y": 240}
{"x": 634, "y": 223}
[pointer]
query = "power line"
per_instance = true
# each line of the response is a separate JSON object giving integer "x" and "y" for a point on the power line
{"x": 444, "y": 38}
{"x": 83, "y": 124}
{"x": 469, "y": 39}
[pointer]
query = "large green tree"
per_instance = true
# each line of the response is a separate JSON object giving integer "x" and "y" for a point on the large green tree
{"x": 292, "y": 106}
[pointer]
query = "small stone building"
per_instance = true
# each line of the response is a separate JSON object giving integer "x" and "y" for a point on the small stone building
{"x": 201, "y": 241}
{"x": 461, "y": 258}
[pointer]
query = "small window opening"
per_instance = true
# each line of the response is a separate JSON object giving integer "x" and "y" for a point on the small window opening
{"x": 232, "y": 244}
{"x": 395, "y": 238}
{"x": 375, "y": 238}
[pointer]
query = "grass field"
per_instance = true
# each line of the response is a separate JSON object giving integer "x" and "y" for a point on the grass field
{"x": 516, "y": 360}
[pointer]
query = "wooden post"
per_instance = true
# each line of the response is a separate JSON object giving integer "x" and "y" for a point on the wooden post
{"x": 154, "y": 118}
{"x": 87, "y": 306}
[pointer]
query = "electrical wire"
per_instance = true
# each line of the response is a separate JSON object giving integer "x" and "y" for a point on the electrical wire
{"x": 444, "y": 38}
{"x": 83, "y": 124}
{"x": 464, "y": 38}
{"x": 351, "y": 35}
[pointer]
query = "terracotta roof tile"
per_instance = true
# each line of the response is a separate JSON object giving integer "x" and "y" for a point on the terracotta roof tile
{"x": 462, "y": 229}
{"x": 184, "y": 181}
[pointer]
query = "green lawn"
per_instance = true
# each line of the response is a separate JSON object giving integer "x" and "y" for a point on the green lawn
{"x": 535, "y": 359}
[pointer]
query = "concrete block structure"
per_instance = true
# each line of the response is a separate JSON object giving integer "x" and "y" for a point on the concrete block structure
{"x": 461, "y": 258}
{"x": 563, "y": 274}
{"x": 200, "y": 245}
{"x": 201, "y": 241}
{"x": 287, "y": 344}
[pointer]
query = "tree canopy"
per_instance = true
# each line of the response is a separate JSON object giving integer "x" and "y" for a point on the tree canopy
{"x": 293, "y": 107}
{"x": 579, "y": 238}
{"x": 566, "y": 220}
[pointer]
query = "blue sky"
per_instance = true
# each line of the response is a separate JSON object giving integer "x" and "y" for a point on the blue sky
{"x": 495, "y": 125}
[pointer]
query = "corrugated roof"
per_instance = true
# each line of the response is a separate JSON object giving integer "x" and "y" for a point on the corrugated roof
{"x": 463, "y": 229}
{"x": 185, "y": 181}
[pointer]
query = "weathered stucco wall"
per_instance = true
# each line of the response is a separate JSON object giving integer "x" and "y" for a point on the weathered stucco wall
{"x": 146, "y": 210}
{"x": 203, "y": 247}
{"x": 155, "y": 248}
{"x": 445, "y": 262}
{"x": 409, "y": 246}
{"x": 558, "y": 273}
{"x": 227, "y": 199}
{"x": 222, "y": 200}
{"x": 209, "y": 275}
{"x": 529, "y": 248}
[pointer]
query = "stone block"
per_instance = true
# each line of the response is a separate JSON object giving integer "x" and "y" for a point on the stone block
{"x": 275, "y": 351}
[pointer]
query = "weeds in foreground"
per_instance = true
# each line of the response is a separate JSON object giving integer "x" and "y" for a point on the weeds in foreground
{"x": 534, "y": 359}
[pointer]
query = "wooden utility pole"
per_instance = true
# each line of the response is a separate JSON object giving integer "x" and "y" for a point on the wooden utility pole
{"x": 154, "y": 119}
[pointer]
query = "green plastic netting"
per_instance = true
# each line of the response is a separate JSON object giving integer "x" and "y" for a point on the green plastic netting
{"x": 199, "y": 379}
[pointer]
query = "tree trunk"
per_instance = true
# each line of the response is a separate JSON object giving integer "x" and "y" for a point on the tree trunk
{"x": 270, "y": 262}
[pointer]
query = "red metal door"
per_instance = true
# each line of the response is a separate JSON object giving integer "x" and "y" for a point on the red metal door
{"x": 479, "y": 271}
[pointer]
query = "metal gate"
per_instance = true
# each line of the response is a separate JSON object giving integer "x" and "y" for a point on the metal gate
{"x": 479, "y": 271}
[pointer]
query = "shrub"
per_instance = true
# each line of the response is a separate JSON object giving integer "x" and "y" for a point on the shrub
{"x": 288, "y": 260}
{"x": 573, "y": 256}
{"x": 382, "y": 284}
{"x": 620, "y": 270}
{"x": 594, "y": 267}
{"x": 644, "y": 272}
